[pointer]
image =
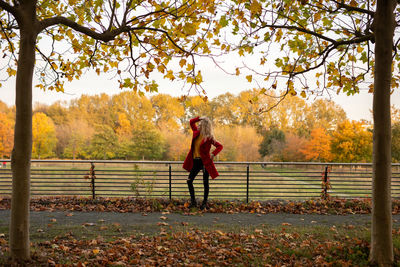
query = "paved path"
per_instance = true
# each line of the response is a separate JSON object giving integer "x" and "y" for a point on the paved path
{"x": 43, "y": 218}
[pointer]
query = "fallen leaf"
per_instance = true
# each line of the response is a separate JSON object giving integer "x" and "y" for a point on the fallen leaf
{"x": 220, "y": 233}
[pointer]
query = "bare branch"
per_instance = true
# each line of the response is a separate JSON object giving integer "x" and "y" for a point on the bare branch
{"x": 7, "y": 7}
{"x": 341, "y": 4}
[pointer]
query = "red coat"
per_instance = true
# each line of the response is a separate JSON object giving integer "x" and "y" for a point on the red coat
{"x": 205, "y": 147}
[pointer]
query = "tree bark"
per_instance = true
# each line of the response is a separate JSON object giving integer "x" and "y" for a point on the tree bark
{"x": 22, "y": 151}
{"x": 381, "y": 232}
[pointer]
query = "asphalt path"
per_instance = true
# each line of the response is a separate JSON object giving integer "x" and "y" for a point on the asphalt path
{"x": 43, "y": 218}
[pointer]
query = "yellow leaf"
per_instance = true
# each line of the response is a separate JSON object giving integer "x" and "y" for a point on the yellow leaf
{"x": 11, "y": 72}
{"x": 255, "y": 8}
{"x": 170, "y": 75}
{"x": 303, "y": 94}
{"x": 96, "y": 251}
{"x": 317, "y": 16}
{"x": 189, "y": 29}
{"x": 220, "y": 233}
{"x": 237, "y": 71}
{"x": 182, "y": 62}
{"x": 161, "y": 68}
{"x": 189, "y": 67}
{"x": 249, "y": 78}
{"x": 199, "y": 77}
{"x": 360, "y": 49}
{"x": 353, "y": 3}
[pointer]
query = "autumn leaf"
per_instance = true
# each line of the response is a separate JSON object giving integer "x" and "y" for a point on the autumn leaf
{"x": 182, "y": 62}
{"x": 255, "y": 8}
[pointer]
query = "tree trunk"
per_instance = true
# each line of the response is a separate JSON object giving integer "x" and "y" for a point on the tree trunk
{"x": 22, "y": 151}
{"x": 381, "y": 232}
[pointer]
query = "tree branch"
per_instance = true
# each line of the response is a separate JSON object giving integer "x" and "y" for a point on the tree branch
{"x": 341, "y": 4}
{"x": 104, "y": 36}
{"x": 7, "y": 7}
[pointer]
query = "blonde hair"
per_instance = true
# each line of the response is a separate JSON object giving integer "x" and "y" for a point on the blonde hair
{"x": 206, "y": 128}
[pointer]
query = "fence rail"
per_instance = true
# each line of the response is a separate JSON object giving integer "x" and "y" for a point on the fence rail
{"x": 244, "y": 181}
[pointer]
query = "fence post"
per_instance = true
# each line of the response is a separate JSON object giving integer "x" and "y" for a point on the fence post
{"x": 92, "y": 178}
{"x": 248, "y": 182}
{"x": 325, "y": 183}
{"x": 170, "y": 182}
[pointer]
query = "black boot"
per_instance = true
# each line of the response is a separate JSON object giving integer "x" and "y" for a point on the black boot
{"x": 203, "y": 205}
{"x": 193, "y": 204}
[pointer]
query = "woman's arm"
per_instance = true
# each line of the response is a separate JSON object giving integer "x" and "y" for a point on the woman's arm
{"x": 218, "y": 147}
{"x": 193, "y": 123}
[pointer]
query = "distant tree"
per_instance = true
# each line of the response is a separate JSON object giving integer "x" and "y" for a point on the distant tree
{"x": 294, "y": 144}
{"x": 78, "y": 134}
{"x": 103, "y": 143}
{"x": 225, "y": 110}
{"x": 324, "y": 114}
{"x": 168, "y": 111}
{"x": 6, "y": 136}
{"x": 318, "y": 148}
{"x": 351, "y": 142}
{"x": 226, "y": 135}
{"x": 44, "y": 136}
{"x": 272, "y": 143}
{"x": 147, "y": 144}
{"x": 396, "y": 142}
{"x": 177, "y": 144}
{"x": 247, "y": 142}
{"x": 241, "y": 143}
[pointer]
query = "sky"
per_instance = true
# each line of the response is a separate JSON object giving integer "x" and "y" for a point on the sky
{"x": 216, "y": 82}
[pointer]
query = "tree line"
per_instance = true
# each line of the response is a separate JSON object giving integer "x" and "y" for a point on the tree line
{"x": 135, "y": 127}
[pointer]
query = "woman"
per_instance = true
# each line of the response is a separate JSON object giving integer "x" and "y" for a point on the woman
{"x": 199, "y": 157}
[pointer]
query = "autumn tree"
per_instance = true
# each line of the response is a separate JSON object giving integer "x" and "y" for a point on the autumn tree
{"x": 318, "y": 148}
{"x": 44, "y": 136}
{"x": 77, "y": 134}
{"x": 241, "y": 143}
{"x": 292, "y": 150}
{"x": 351, "y": 142}
{"x": 272, "y": 143}
{"x": 324, "y": 114}
{"x": 168, "y": 111}
{"x": 6, "y": 135}
{"x": 396, "y": 142}
{"x": 131, "y": 39}
{"x": 344, "y": 45}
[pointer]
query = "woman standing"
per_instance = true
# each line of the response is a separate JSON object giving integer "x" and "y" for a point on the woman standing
{"x": 199, "y": 157}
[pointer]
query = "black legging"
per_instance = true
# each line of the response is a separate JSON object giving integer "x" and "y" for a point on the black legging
{"x": 197, "y": 166}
